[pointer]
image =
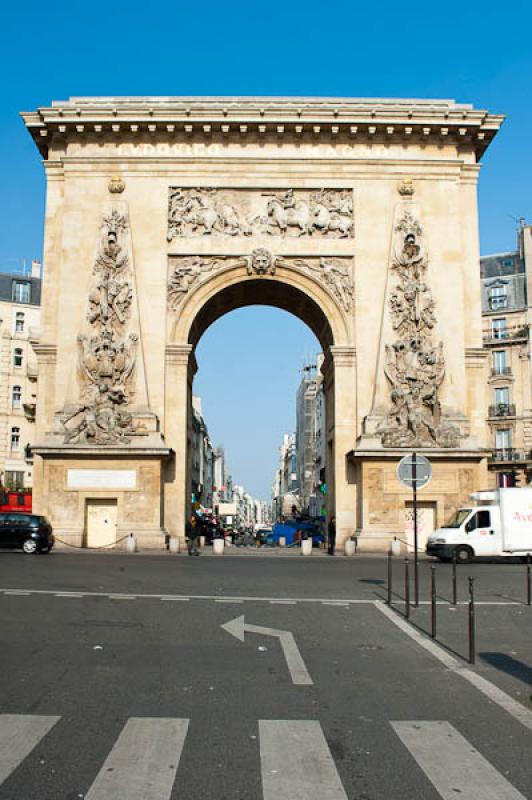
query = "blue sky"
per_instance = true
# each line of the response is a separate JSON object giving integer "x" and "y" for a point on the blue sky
{"x": 474, "y": 52}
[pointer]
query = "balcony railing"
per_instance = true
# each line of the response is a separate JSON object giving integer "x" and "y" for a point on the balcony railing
{"x": 495, "y": 371}
{"x": 502, "y": 410}
{"x": 511, "y": 454}
{"x": 507, "y": 334}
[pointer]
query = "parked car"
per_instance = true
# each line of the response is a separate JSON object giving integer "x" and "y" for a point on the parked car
{"x": 29, "y": 532}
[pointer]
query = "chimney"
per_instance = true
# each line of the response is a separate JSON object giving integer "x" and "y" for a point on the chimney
{"x": 35, "y": 268}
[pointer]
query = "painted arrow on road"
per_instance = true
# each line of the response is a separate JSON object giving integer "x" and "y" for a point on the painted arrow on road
{"x": 238, "y": 628}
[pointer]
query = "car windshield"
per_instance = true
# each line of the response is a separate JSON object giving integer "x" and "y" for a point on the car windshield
{"x": 458, "y": 518}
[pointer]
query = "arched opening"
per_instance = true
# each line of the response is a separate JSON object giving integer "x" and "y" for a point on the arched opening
{"x": 316, "y": 308}
{"x": 258, "y": 393}
{"x": 228, "y": 491}
{"x": 263, "y": 293}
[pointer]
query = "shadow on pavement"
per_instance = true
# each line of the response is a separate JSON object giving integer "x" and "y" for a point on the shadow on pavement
{"x": 513, "y": 667}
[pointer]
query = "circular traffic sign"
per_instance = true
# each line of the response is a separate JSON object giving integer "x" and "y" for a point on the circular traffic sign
{"x": 414, "y": 470}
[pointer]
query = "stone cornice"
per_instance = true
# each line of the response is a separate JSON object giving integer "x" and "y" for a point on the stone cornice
{"x": 46, "y": 353}
{"x": 178, "y": 353}
{"x": 283, "y": 118}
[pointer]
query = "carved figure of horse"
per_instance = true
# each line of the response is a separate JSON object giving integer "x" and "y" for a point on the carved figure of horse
{"x": 284, "y": 218}
{"x": 228, "y": 220}
{"x": 202, "y": 217}
{"x": 326, "y": 220}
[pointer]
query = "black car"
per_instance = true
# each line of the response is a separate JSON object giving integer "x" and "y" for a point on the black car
{"x": 30, "y": 532}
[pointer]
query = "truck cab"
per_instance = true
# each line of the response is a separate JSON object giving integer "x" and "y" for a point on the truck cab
{"x": 472, "y": 531}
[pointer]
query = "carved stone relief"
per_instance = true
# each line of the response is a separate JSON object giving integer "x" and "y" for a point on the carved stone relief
{"x": 235, "y": 212}
{"x": 414, "y": 365}
{"x": 107, "y": 356}
{"x": 188, "y": 272}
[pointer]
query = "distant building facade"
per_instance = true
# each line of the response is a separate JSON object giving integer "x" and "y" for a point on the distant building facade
{"x": 506, "y": 282}
{"x": 20, "y": 299}
{"x": 306, "y": 435}
{"x": 285, "y": 489}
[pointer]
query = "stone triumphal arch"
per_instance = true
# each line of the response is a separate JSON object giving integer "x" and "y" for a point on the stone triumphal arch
{"x": 163, "y": 214}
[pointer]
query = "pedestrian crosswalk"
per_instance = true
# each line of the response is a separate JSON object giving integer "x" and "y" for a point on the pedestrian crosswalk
{"x": 143, "y": 762}
{"x": 452, "y": 765}
{"x": 295, "y": 759}
{"x": 19, "y": 734}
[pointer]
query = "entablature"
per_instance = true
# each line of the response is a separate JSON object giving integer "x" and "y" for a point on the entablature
{"x": 336, "y": 119}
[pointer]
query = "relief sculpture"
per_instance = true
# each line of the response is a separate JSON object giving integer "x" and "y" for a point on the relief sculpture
{"x": 233, "y": 212}
{"x": 107, "y": 356}
{"x": 188, "y": 272}
{"x": 414, "y": 365}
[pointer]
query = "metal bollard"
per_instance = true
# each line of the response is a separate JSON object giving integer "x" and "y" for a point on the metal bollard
{"x": 389, "y": 577}
{"x": 528, "y": 584}
{"x": 454, "y": 579}
{"x": 471, "y": 620}
{"x": 407, "y": 591}
{"x": 433, "y": 599}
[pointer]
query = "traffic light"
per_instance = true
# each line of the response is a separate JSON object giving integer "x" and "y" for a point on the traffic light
{"x": 516, "y": 478}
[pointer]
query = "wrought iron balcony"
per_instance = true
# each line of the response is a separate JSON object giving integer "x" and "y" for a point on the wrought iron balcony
{"x": 502, "y": 410}
{"x": 500, "y": 371}
{"x": 510, "y": 454}
{"x": 515, "y": 333}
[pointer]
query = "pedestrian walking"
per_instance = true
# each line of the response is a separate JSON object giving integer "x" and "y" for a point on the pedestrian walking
{"x": 332, "y": 536}
{"x": 192, "y": 533}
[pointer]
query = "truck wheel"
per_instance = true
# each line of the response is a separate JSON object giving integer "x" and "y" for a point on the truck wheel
{"x": 464, "y": 554}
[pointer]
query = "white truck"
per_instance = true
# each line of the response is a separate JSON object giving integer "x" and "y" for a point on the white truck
{"x": 500, "y": 524}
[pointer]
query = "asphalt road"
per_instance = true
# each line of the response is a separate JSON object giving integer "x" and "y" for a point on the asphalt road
{"x": 112, "y": 680}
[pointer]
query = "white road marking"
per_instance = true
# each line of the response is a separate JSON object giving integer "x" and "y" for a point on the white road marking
{"x": 143, "y": 762}
{"x": 496, "y": 695}
{"x": 296, "y": 762}
{"x": 341, "y": 601}
{"x": 16, "y": 593}
{"x": 19, "y": 734}
{"x": 122, "y": 597}
{"x": 209, "y": 597}
{"x": 296, "y": 666}
{"x": 282, "y": 602}
{"x": 451, "y": 764}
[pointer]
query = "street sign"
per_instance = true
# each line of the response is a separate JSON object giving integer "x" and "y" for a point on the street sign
{"x": 414, "y": 471}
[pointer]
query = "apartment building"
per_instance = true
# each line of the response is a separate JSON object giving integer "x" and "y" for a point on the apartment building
{"x": 20, "y": 298}
{"x": 506, "y": 281}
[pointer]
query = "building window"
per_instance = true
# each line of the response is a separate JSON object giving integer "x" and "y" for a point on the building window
{"x": 498, "y": 328}
{"x": 17, "y": 357}
{"x": 497, "y": 297}
{"x": 16, "y": 397}
{"x": 21, "y": 292}
{"x": 19, "y": 322}
{"x": 500, "y": 366}
{"x": 15, "y": 438}
{"x": 503, "y": 439}
{"x": 502, "y": 396}
{"x": 14, "y": 480}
